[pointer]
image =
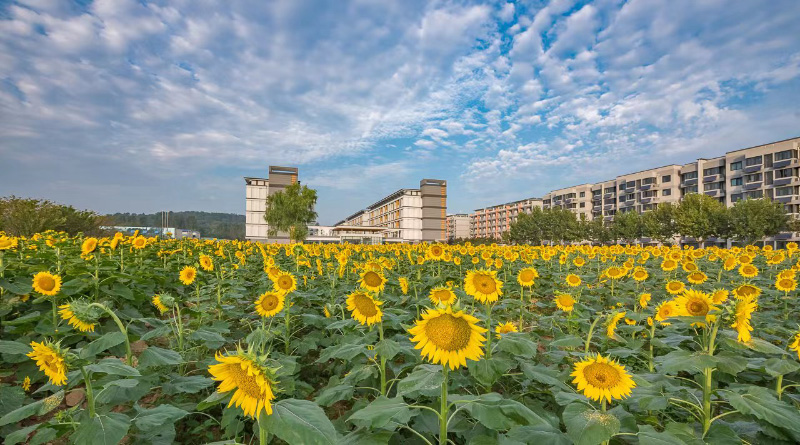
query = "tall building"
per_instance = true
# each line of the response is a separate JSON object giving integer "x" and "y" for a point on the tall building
{"x": 457, "y": 226}
{"x": 491, "y": 222}
{"x": 765, "y": 171}
{"x": 256, "y": 192}
{"x": 409, "y": 215}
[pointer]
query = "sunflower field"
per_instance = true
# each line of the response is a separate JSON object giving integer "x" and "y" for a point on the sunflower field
{"x": 137, "y": 340}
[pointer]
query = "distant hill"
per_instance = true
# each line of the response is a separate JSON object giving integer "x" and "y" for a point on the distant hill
{"x": 210, "y": 225}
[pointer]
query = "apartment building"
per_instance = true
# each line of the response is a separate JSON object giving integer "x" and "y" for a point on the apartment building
{"x": 458, "y": 226}
{"x": 491, "y": 222}
{"x": 256, "y": 192}
{"x": 408, "y": 215}
{"x": 765, "y": 171}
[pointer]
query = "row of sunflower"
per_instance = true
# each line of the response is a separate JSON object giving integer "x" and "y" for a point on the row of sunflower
{"x": 128, "y": 338}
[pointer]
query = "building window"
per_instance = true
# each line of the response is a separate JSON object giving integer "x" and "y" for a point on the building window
{"x": 783, "y": 173}
{"x": 736, "y": 181}
{"x": 755, "y": 160}
{"x": 583, "y": 194}
{"x": 736, "y": 165}
{"x": 756, "y": 194}
{"x": 648, "y": 181}
{"x": 622, "y": 198}
{"x": 713, "y": 171}
{"x": 688, "y": 176}
{"x": 713, "y": 186}
{"x": 583, "y": 204}
{"x": 690, "y": 189}
{"x": 752, "y": 178}
{"x": 622, "y": 186}
{"x": 782, "y": 155}
{"x": 784, "y": 191}
{"x": 666, "y": 192}
{"x": 666, "y": 178}
{"x": 736, "y": 197}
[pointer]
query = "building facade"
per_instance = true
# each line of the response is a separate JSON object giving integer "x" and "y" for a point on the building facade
{"x": 765, "y": 171}
{"x": 458, "y": 226}
{"x": 256, "y": 192}
{"x": 491, "y": 222}
{"x": 408, "y": 215}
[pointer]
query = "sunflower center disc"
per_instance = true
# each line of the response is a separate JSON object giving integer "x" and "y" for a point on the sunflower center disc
{"x": 441, "y": 295}
{"x": 372, "y": 279}
{"x": 697, "y": 307}
{"x": 448, "y": 332}
{"x": 526, "y": 275}
{"x": 365, "y": 305}
{"x": 47, "y": 283}
{"x": 484, "y": 284}
{"x": 285, "y": 283}
{"x": 269, "y": 302}
{"x": 245, "y": 383}
{"x": 601, "y": 375}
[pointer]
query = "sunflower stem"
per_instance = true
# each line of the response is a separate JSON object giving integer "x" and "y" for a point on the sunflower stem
{"x": 443, "y": 408}
{"x": 263, "y": 434}
{"x": 779, "y": 386}
{"x": 489, "y": 328}
{"x": 383, "y": 361}
{"x": 128, "y": 353}
{"x": 650, "y": 357}
{"x": 89, "y": 393}
{"x": 286, "y": 322}
{"x": 589, "y": 336}
{"x": 521, "y": 304}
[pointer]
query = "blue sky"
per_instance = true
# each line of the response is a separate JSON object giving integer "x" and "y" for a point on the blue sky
{"x": 143, "y": 106}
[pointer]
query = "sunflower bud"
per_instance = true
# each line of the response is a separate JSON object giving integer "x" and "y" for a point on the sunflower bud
{"x": 80, "y": 315}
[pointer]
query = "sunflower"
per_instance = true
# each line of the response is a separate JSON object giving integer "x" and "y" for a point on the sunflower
{"x": 46, "y": 283}
{"x": 206, "y": 263}
{"x": 785, "y": 284}
{"x": 435, "y": 252}
{"x": 372, "y": 281}
{"x": 284, "y": 283}
{"x": 156, "y": 300}
{"x": 77, "y": 315}
{"x": 565, "y": 302}
{"x": 88, "y": 246}
{"x": 744, "y": 311}
{"x": 611, "y": 327}
{"x": 573, "y": 280}
{"x": 788, "y": 273}
{"x": 7, "y": 242}
{"x": 505, "y": 328}
{"x": 364, "y": 308}
{"x": 403, "y": 285}
{"x": 615, "y": 272}
{"x": 693, "y": 303}
{"x": 448, "y": 337}
{"x": 795, "y": 345}
{"x": 250, "y": 380}
{"x": 747, "y": 291}
{"x": 26, "y": 384}
{"x": 697, "y": 277}
{"x": 747, "y": 270}
{"x": 719, "y": 296}
{"x": 640, "y": 274}
{"x": 578, "y": 261}
{"x": 50, "y": 359}
{"x": 601, "y": 378}
{"x": 644, "y": 299}
{"x": 270, "y": 303}
{"x": 139, "y": 242}
{"x": 730, "y": 263}
{"x": 689, "y": 266}
{"x": 442, "y": 295}
{"x": 527, "y": 276}
{"x": 675, "y": 287}
{"x": 326, "y": 312}
{"x": 669, "y": 265}
{"x": 666, "y": 310}
{"x": 483, "y": 285}
{"x": 187, "y": 275}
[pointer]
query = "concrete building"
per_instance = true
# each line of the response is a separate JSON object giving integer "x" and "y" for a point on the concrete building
{"x": 408, "y": 215}
{"x": 765, "y": 171}
{"x": 491, "y": 222}
{"x": 457, "y": 226}
{"x": 256, "y": 192}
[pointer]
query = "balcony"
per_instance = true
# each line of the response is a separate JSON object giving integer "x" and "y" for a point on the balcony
{"x": 645, "y": 187}
{"x": 568, "y": 200}
{"x": 608, "y": 207}
{"x": 645, "y": 200}
{"x": 752, "y": 168}
{"x": 783, "y": 164}
{"x": 596, "y": 208}
{"x": 686, "y": 182}
{"x": 783, "y": 199}
{"x": 608, "y": 195}
{"x": 714, "y": 193}
{"x": 608, "y": 218}
{"x": 753, "y": 185}
{"x": 713, "y": 178}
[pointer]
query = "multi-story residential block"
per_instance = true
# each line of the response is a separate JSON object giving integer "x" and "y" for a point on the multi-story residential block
{"x": 458, "y": 226}
{"x": 764, "y": 171}
{"x": 491, "y": 222}
{"x": 256, "y": 192}
{"x": 409, "y": 215}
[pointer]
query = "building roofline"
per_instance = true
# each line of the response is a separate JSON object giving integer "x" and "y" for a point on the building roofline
{"x": 761, "y": 145}
{"x": 510, "y": 202}
{"x": 390, "y": 197}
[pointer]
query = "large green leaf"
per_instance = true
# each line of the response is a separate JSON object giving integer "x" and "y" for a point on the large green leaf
{"x": 780, "y": 366}
{"x": 588, "y": 426}
{"x": 649, "y": 436}
{"x": 101, "y": 344}
{"x": 498, "y": 413}
{"x": 762, "y": 404}
{"x": 488, "y": 371}
{"x": 113, "y": 366}
{"x": 383, "y": 413}
{"x": 161, "y": 415}
{"x": 333, "y": 394}
{"x": 189, "y": 384}
{"x": 425, "y": 380}
{"x": 21, "y": 413}
{"x": 14, "y": 347}
{"x": 11, "y": 398}
{"x": 105, "y": 429}
{"x": 538, "y": 435}
{"x": 344, "y": 351}
{"x": 154, "y": 356}
{"x": 20, "y": 435}
{"x": 518, "y": 345}
{"x": 301, "y": 422}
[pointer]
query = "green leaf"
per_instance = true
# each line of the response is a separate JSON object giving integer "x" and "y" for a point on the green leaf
{"x": 301, "y": 422}
{"x": 11, "y": 398}
{"x": 383, "y": 412}
{"x": 729, "y": 363}
{"x": 101, "y": 344}
{"x": 105, "y": 429}
{"x": 154, "y": 356}
{"x": 588, "y": 426}
{"x": 27, "y": 318}
{"x": 189, "y": 384}
{"x": 113, "y": 366}
{"x": 425, "y": 380}
{"x": 44, "y": 435}
{"x": 344, "y": 351}
{"x": 538, "y": 435}
{"x": 20, "y": 435}
{"x": 488, "y": 371}
{"x": 649, "y": 436}
{"x": 543, "y": 374}
{"x": 214, "y": 399}
{"x": 329, "y": 396}
{"x": 209, "y": 338}
{"x": 567, "y": 341}
{"x": 518, "y": 345}
{"x": 18, "y": 288}
{"x": 366, "y": 437}
{"x": 766, "y": 347}
{"x": 13, "y": 347}
{"x": 21, "y": 413}
{"x": 498, "y": 413}
{"x": 677, "y": 361}
{"x": 388, "y": 348}
{"x": 161, "y": 415}
{"x": 780, "y": 366}
{"x": 762, "y": 404}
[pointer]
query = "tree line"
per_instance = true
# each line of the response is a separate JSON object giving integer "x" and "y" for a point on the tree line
{"x": 26, "y": 216}
{"x": 698, "y": 216}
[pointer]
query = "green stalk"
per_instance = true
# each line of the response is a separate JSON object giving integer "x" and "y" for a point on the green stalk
{"x": 128, "y": 353}
{"x": 263, "y": 434}
{"x": 521, "y": 304}
{"x": 650, "y": 358}
{"x": 779, "y": 386}
{"x": 489, "y": 334}
{"x": 589, "y": 336}
{"x": 383, "y": 361}
{"x": 89, "y": 393}
{"x": 286, "y": 322}
{"x": 443, "y": 411}
{"x": 707, "y": 382}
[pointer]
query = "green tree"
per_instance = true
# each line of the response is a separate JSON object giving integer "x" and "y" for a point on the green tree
{"x": 659, "y": 223}
{"x": 627, "y": 226}
{"x": 525, "y": 229}
{"x": 291, "y": 210}
{"x": 598, "y": 232}
{"x": 25, "y": 217}
{"x": 700, "y": 217}
{"x": 752, "y": 220}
